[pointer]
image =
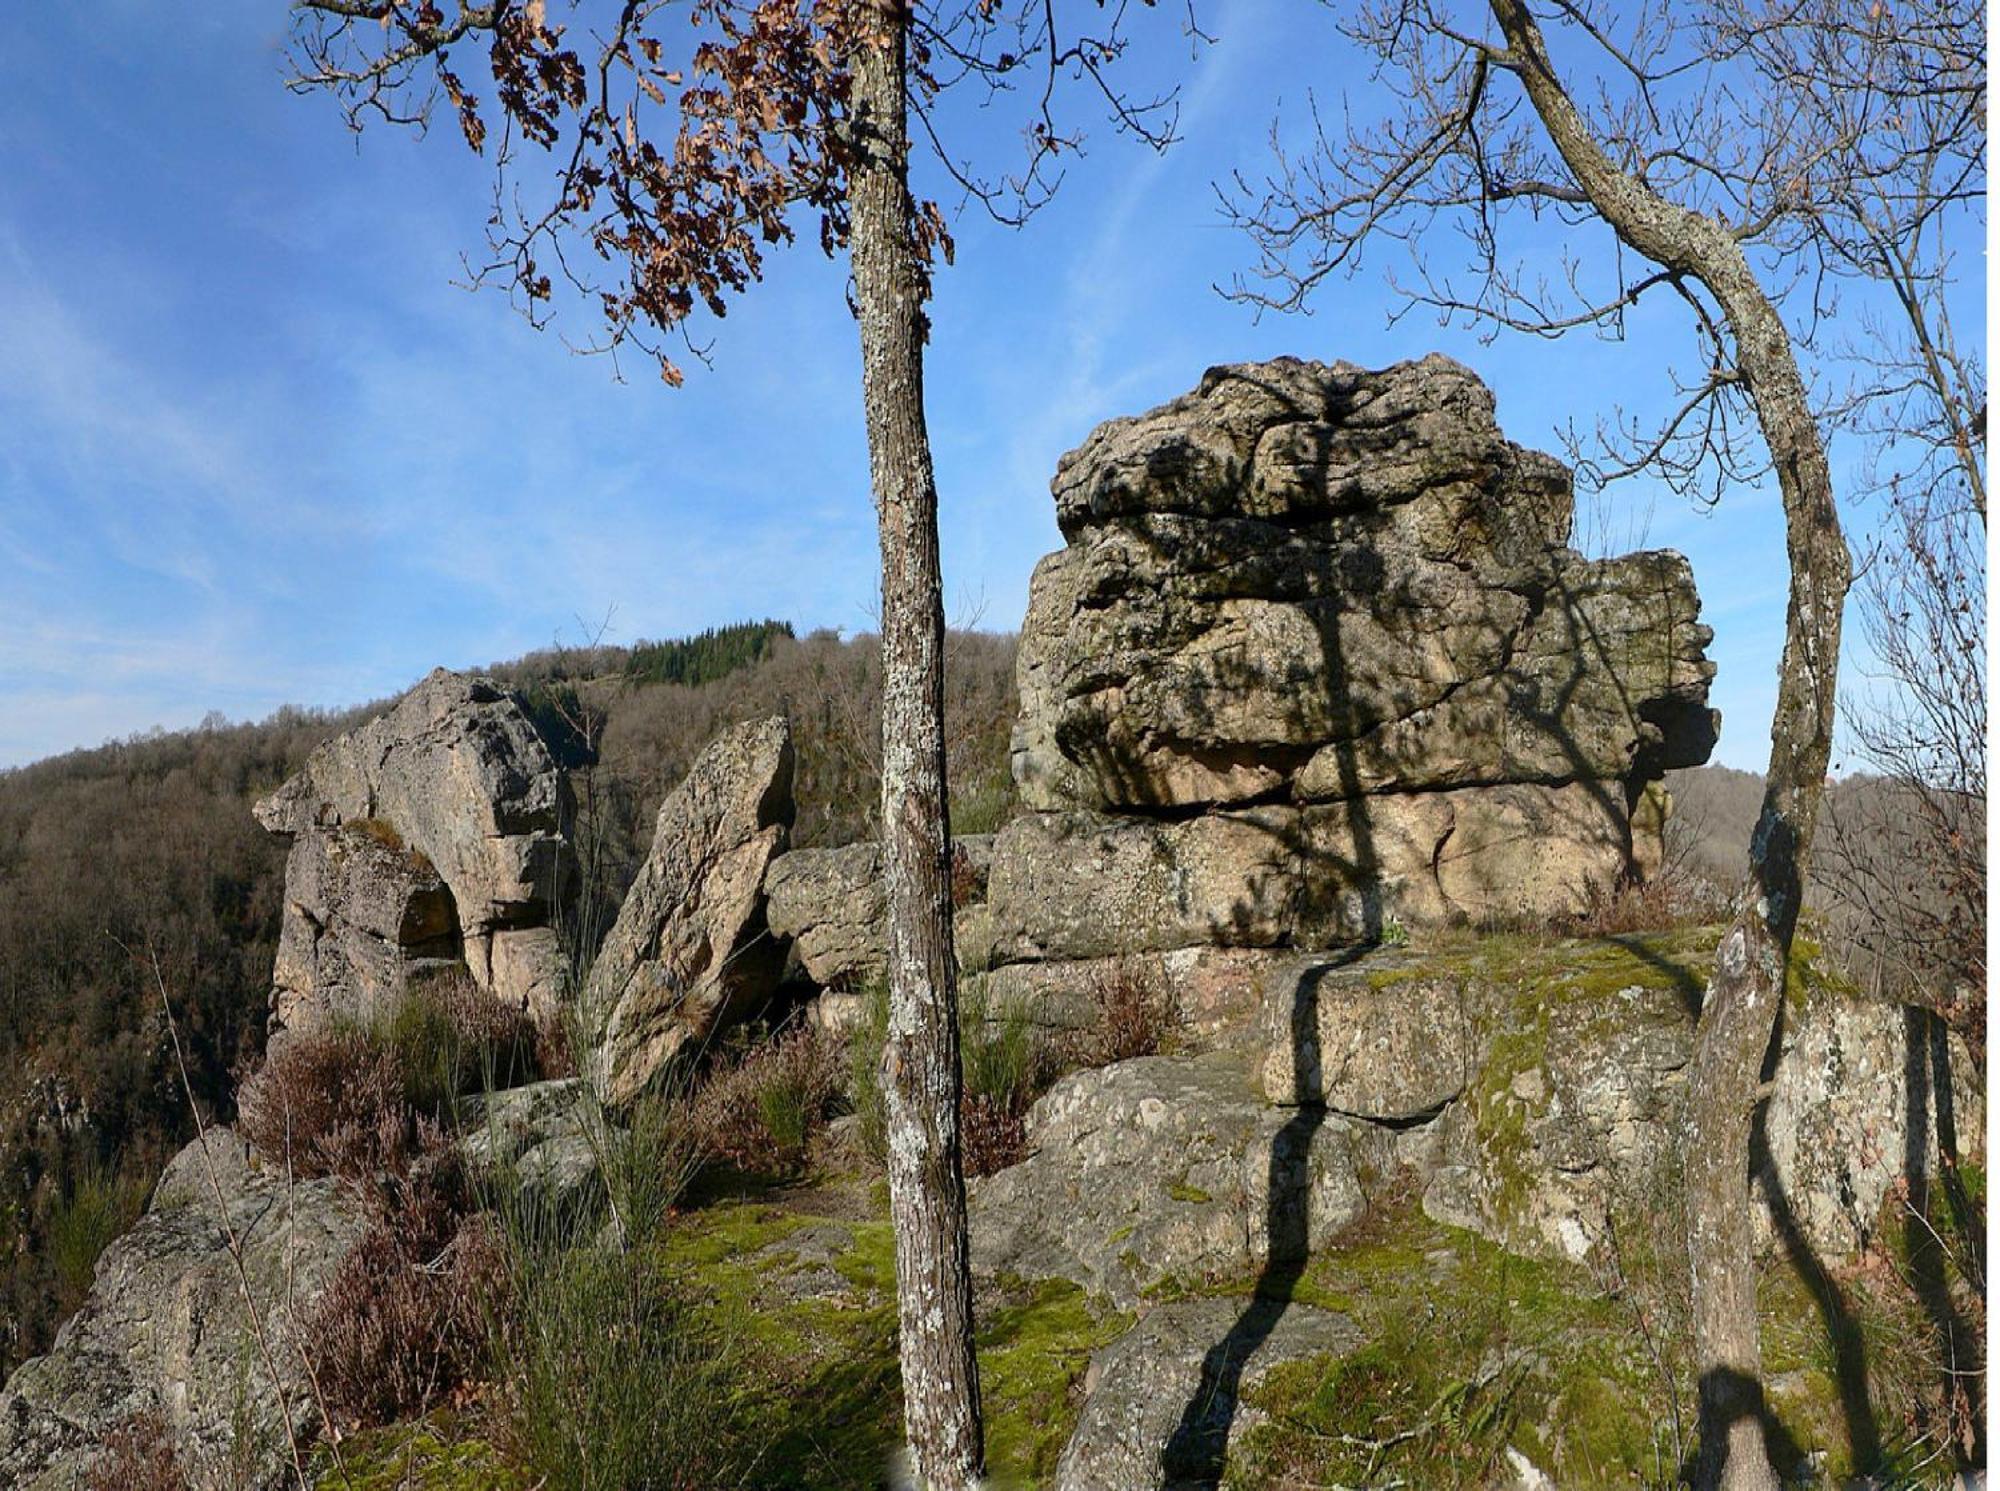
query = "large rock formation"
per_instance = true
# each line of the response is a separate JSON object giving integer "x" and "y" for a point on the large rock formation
{"x": 1165, "y": 1170}
{"x": 436, "y": 832}
{"x": 172, "y": 1329}
{"x": 1532, "y": 1094}
{"x": 1316, "y": 658}
{"x": 691, "y": 950}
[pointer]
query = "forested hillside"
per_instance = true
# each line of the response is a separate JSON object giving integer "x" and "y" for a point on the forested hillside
{"x": 146, "y": 848}
{"x": 110, "y": 858}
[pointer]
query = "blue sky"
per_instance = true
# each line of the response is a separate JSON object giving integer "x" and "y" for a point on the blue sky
{"x": 256, "y": 449}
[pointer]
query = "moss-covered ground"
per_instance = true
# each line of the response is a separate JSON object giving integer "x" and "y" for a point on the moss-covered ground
{"x": 810, "y": 1277}
{"x": 1473, "y": 1355}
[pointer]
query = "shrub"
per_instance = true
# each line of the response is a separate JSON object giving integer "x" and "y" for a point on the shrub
{"x": 138, "y": 1455}
{"x": 611, "y": 1381}
{"x": 452, "y": 1037}
{"x": 1005, "y": 1063}
{"x": 1669, "y": 900}
{"x": 1003, "y": 1055}
{"x": 404, "y": 1319}
{"x": 346, "y": 1100}
{"x": 992, "y": 1135}
{"x": 1131, "y": 1017}
{"x": 759, "y": 1113}
{"x": 648, "y": 1165}
{"x": 329, "y": 1103}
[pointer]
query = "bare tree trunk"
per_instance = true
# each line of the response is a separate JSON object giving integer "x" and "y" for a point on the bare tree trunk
{"x": 920, "y": 1064}
{"x": 1745, "y": 995}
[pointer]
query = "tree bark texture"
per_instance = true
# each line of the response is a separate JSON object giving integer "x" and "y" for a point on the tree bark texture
{"x": 1745, "y": 996}
{"x": 920, "y": 1062}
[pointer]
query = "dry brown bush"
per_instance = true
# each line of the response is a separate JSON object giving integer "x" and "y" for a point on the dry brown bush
{"x": 1658, "y": 905}
{"x": 329, "y": 1103}
{"x": 1133, "y": 1016}
{"x": 993, "y": 1134}
{"x": 405, "y": 1317}
{"x": 758, "y": 1113}
{"x": 403, "y": 1320}
{"x": 138, "y": 1455}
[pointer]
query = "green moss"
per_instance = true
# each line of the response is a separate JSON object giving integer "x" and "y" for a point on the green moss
{"x": 1031, "y": 1356}
{"x": 870, "y": 1262}
{"x": 428, "y": 1456}
{"x": 1180, "y": 1190}
{"x": 1469, "y": 1350}
{"x": 824, "y": 1385}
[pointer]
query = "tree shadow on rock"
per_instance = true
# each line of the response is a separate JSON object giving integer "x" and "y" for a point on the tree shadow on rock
{"x": 1196, "y": 1451}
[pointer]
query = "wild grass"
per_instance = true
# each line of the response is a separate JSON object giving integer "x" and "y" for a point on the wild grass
{"x": 1005, "y": 1061}
{"x": 1132, "y": 1015}
{"x": 759, "y": 1110}
{"x": 93, "y": 1209}
{"x": 610, "y": 1375}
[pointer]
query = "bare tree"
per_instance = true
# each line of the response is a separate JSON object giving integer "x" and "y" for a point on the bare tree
{"x": 1752, "y": 159}
{"x": 677, "y": 152}
{"x": 1909, "y": 90}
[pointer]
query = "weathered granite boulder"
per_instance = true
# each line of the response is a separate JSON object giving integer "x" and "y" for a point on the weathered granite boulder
{"x": 1078, "y": 884}
{"x": 691, "y": 950}
{"x": 1364, "y": 1043}
{"x": 1315, "y": 658}
{"x": 1163, "y": 1404}
{"x": 1164, "y": 1169}
{"x": 1297, "y": 557}
{"x": 832, "y": 906}
{"x": 1538, "y": 1094}
{"x": 363, "y": 914}
{"x": 166, "y": 1329}
{"x": 438, "y": 831}
{"x": 546, "y": 1142}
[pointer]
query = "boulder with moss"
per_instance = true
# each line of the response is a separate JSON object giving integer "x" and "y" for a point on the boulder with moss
{"x": 1529, "y": 1092}
{"x": 174, "y": 1330}
{"x": 1165, "y": 1404}
{"x": 1163, "y": 1169}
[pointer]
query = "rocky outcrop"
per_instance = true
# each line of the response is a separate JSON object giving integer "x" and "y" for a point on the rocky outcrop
{"x": 436, "y": 832}
{"x": 1530, "y": 1095}
{"x": 363, "y": 914}
{"x": 691, "y": 950}
{"x": 1164, "y": 1170}
{"x": 832, "y": 905}
{"x": 167, "y": 1328}
{"x": 1315, "y": 659}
